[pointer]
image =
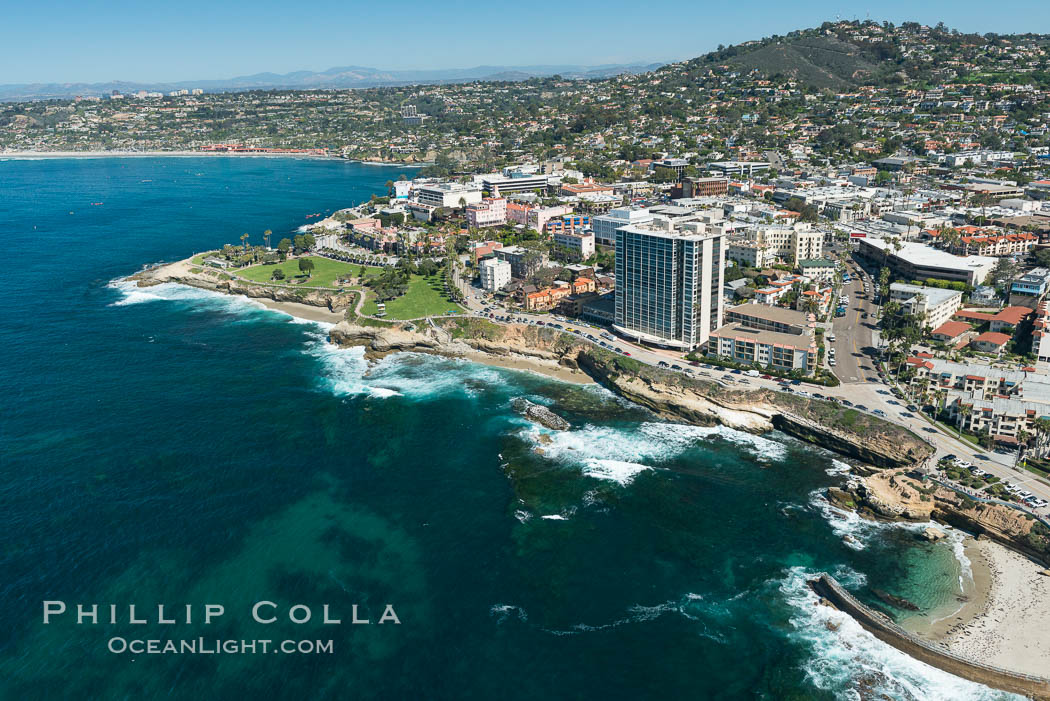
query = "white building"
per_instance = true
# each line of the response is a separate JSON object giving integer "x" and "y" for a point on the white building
{"x": 937, "y": 304}
{"x": 447, "y": 194}
{"x": 605, "y": 226}
{"x": 495, "y": 274}
{"x": 582, "y": 243}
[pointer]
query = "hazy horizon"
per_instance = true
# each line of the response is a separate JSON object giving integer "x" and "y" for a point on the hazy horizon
{"x": 198, "y": 40}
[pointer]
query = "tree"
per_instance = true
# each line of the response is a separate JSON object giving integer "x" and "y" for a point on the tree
{"x": 278, "y": 274}
{"x": 284, "y": 245}
{"x": 266, "y": 237}
{"x": 305, "y": 266}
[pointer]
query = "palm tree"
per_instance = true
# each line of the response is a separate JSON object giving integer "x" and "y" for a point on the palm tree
{"x": 1042, "y": 430}
{"x": 266, "y": 237}
{"x": 244, "y": 242}
{"x": 964, "y": 411}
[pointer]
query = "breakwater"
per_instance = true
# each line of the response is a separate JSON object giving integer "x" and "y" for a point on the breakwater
{"x": 880, "y": 625}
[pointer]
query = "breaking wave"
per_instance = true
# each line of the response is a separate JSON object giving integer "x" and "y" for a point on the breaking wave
{"x": 848, "y": 661}
{"x": 620, "y": 455}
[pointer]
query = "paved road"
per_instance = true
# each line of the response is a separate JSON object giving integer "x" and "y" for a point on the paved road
{"x": 854, "y": 340}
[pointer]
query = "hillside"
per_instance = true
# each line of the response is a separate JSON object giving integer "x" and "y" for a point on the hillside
{"x": 820, "y": 62}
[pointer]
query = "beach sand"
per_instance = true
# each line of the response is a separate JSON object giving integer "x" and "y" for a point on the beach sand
{"x": 543, "y": 367}
{"x": 936, "y": 625}
{"x": 1010, "y": 622}
{"x": 302, "y": 311}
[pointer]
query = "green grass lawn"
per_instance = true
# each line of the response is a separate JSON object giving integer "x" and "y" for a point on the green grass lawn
{"x": 324, "y": 274}
{"x": 425, "y": 297}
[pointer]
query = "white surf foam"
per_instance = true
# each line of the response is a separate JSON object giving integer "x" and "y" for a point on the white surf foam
{"x": 849, "y": 662}
{"x": 131, "y": 294}
{"x": 619, "y": 455}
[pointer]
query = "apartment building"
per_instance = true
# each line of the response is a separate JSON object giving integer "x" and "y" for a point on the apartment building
{"x": 668, "y": 285}
{"x": 524, "y": 262}
{"x": 491, "y": 211}
{"x": 495, "y": 274}
{"x": 937, "y": 305}
{"x": 765, "y": 336}
{"x": 581, "y": 243}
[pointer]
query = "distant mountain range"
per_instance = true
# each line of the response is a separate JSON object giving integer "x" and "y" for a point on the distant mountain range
{"x": 341, "y": 77}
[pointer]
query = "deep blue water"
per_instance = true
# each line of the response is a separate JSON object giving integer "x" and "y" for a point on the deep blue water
{"x": 173, "y": 446}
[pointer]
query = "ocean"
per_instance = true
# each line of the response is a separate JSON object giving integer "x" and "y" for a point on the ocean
{"x": 178, "y": 447}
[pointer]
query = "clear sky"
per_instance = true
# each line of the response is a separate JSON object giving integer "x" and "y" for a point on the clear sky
{"x": 101, "y": 40}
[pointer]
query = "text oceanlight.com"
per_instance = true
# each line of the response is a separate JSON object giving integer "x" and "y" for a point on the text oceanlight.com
{"x": 205, "y": 646}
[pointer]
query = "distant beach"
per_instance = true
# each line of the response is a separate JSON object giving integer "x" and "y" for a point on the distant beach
{"x": 149, "y": 154}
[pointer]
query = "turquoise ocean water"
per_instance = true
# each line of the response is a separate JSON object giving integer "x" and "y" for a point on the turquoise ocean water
{"x": 172, "y": 446}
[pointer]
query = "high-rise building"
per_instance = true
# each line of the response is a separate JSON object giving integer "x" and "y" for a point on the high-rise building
{"x": 668, "y": 285}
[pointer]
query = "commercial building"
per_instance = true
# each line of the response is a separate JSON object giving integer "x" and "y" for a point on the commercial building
{"x": 605, "y": 226}
{"x": 668, "y": 286}
{"x": 568, "y": 223}
{"x": 935, "y": 304}
{"x": 916, "y": 261}
{"x": 745, "y": 168}
{"x": 495, "y": 274}
{"x": 763, "y": 336}
{"x": 515, "y": 183}
{"x": 491, "y": 211}
{"x": 449, "y": 195}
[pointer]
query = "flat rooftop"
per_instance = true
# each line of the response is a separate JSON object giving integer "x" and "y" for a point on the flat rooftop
{"x": 926, "y": 257}
{"x": 746, "y": 333}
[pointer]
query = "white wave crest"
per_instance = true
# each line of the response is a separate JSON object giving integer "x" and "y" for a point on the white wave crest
{"x": 619, "y": 454}
{"x": 502, "y": 612}
{"x": 851, "y": 663}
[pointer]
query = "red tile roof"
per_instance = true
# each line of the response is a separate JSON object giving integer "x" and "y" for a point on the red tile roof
{"x": 951, "y": 329}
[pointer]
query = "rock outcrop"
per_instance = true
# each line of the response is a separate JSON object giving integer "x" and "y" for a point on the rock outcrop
{"x": 215, "y": 280}
{"x": 541, "y": 415}
{"x": 892, "y": 496}
{"x": 667, "y": 393}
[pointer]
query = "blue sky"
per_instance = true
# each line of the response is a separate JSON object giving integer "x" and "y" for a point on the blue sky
{"x": 94, "y": 41}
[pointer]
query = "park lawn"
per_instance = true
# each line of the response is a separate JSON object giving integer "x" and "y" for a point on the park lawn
{"x": 326, "y": 271}
{"x": 425, "y": 297}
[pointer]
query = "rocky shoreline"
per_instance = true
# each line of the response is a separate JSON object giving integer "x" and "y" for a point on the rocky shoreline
{"x": 891, "y": 495}
{"x": 671, "y": 395}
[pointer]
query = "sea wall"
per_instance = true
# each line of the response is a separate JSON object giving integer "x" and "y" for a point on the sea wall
{"x": 879, "y": 625}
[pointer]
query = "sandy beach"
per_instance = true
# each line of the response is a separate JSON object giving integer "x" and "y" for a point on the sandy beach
{"x": 302, "y": 311}
{"x": 536, "y": 365}
{"x": 1010, "y": 627}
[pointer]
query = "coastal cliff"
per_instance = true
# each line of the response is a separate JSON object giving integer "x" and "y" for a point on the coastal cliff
{"x": 672, "y": 395}
{"x": 892, "y": 496}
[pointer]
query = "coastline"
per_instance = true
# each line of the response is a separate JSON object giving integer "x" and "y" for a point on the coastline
{"x": 1011, "y": 628}
{"x": 937, "y": 625}
{"x": 33, "y": 155}
{"x": 299, "y": 310}
{"x": 534, "y": 365}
